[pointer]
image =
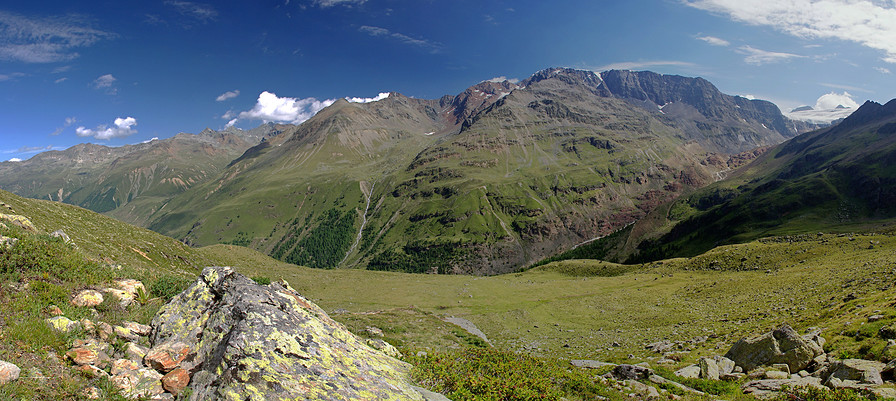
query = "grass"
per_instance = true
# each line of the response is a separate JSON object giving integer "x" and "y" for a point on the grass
{"x": 575, "y": 309}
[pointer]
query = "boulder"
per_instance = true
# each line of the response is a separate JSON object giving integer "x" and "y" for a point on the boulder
{"x": 689, "y": 372}
{"x": 726, "y": 366}
{"x": 258, "y": 342}
{"x": 134, "y": 351}
{"x": 137, "y": 328}
{"x": 87, "y": 298}
{"x": 589, "y": 364}
{"x": 8, "y": 372}
{"x": 708, "y": 369}
{"x": 859, "y": 370}
{"x": 782, "y": 345}
{"x": 631, "y": 372}
{"x": 123, "y": 297}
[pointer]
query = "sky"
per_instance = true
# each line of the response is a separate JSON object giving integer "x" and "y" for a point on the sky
{"x": 127, "y": 71}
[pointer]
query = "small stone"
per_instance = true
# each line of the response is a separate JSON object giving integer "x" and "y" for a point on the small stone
{"x": 135, "y": 352}
{"x": 54, "y": 310}
{"x": 8, "y": 372}
{"x": 874, "y": 318}
{"x": 82, "y": 355}
{"x": 62, "y": 324}
{"x": 139, "y": 383}
{"x": 168, "y": 356}
{"x": 126, "y": 333}
{"x": 373, "y": 331}
{"x": 137, "y": 328}
{"x": 130, "y": 285}
{"x": 123, "y": 365}
{"x": 175, "y": 381}
{"x": 91, "y": 393}
{"x": 61, "y": 235}
{"x": 105, "y": 330}
{"x": 124, "y": 298}
{"x": 92, "y": 371}
{"x": 88, "y": 325}
{"x": 87, "y": 299}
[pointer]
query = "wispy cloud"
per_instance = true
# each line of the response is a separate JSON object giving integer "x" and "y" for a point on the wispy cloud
{"x": 502, "y": 78}
{"x": 430, "y": 46}
{"x": 714, "y": 40}
{"x": 759, "y": 57}
{"x": 201, "y": 12}
{"x": 227, "y": 95}
{"x": 69, "y": 121}
{"x": 331, "y": 3}
{"x": 867, "y": 22}
{"x": 107, "y": 83}
{"x": 45, "y": 40}
{"x": 271, "y": 107}
{"x": 882, "y": 70}
{"x": 636, "y": 65}
{"x": 11, "y": 76}
{"x": 120, "y": 128}
{"x": 846, "y": 87}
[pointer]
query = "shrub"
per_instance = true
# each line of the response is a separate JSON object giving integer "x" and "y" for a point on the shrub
{"x": 261, "y": 280}
{"x": 167, "y": 286}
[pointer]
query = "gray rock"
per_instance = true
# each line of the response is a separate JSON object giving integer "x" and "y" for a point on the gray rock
{"x": 269, "y": 342}
{"x": 631, "y": 372}
{"x": 783, "y": 345}
{"x": 726, "y": 366}
{"x": 708, "y": 369}
{"x": 586, "y": 363}
{"x": 689, "y": 372}
{"x": 859, "y": 370}
{"x": 61, "y": 235}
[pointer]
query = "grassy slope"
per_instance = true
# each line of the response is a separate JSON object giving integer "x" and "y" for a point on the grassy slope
{"x": 570, "y": 309}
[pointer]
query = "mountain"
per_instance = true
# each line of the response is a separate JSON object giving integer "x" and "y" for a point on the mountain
{"x": 840, "y": 178}
{"x": 483, "y": 182}
{"x": 124, "y": 181}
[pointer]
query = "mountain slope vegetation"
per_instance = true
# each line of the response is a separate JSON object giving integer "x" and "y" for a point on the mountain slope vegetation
{"x": 487, "y": 181}
{"x": 840, "y": 178}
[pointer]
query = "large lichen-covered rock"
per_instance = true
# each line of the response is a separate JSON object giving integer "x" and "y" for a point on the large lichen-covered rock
{"x": 257, "y": 342}
{"x": 782, "y": 345}
{"x": 19, "y": 221}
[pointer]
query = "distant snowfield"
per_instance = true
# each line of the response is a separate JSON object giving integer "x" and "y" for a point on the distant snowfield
{"x": 820, "y": 116}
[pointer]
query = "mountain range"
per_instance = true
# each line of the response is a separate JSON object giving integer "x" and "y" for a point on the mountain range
{"x": 486, "y": 181}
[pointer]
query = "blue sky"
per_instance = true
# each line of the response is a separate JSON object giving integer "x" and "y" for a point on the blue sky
{"x": 120, "y": 72}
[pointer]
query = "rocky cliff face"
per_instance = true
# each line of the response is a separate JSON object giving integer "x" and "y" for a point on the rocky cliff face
{"x": 245, "y": 341}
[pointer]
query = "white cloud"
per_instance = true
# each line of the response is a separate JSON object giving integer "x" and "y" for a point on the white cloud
{"x": 231, "y": 123}
{"x": 104, "y": 81}
{"x": 760, "y": 57}
{"x": 155, "y": 138}
{"x": 379, "y": 97}
{"x": 15, "y": 159}
{"x": 45, "y": 40}
{"x": 383, "y": 32}
{"x": 634, "y": 65}
{"x": 60, "y": 80}
{"x": 331, "y": 3}
{"x": 714, "y": 40}
{"x": 833, "y": 99}
{"x": 748, "y": 97}
{"x": 270, "y": 107}
{"x": 228, "y": 115}
{"x": 502, "y": 78}
{"x": 121, "y": 127}
{"x": 227, "y": 95}
{"x": 882, "y": 70}
{"x": 867, "y": 22}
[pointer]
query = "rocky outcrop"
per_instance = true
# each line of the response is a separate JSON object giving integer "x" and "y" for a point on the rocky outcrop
{"x": 783, "y": 345}
{"x": 248, "y": 341}
{"x": 8, "y": 372}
